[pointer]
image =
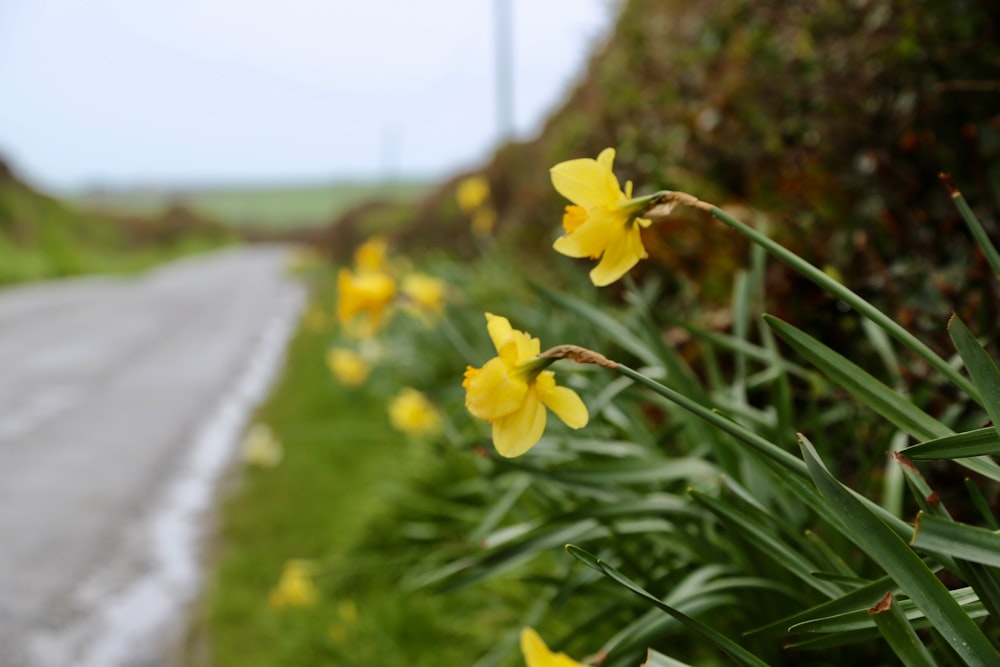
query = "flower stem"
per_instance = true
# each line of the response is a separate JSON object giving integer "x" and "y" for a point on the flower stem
{"x": 765, "y": 447}
{"x": 849, "y": 297}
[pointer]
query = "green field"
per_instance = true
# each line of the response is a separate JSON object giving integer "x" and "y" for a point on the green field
{"x": 290, "y": 205}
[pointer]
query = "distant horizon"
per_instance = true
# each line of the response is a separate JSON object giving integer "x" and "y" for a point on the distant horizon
{"x": 279, "y": 182}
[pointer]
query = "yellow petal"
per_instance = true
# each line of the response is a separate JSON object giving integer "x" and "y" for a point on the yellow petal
{"x": 492, "y": 392}
{"x": 624, "y": 252}
{"x": 537, "y": 654}
{"x": 588, "y": 240}
{"x": 588, "y": 182}
{"x": 564, "y": 402}
{"x": 519, "y": 431}
{"x": 501, "y": 333}
{"x": 527, "y": 346}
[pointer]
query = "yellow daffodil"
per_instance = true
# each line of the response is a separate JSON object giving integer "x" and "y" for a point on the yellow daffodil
{"x": 261, "y": 448}
{"x": 603, "y": 221}
{"x": 513, "y": 389}
{"x": 347, "y": 616}
{"x": 295, "y": 587}
{"x": 414, "y": 415}
{"x": 537, "y": 654}
{"x": 372, "y": 255}
{"x": 483, "y": 221}
{"x": 425, "y": 292}
{"x": 367, "y": 294}
{"x": 350, "y": 368}
{"x": 472, "y": 193}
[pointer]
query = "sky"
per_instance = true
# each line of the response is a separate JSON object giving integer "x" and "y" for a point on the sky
{"x": 121, "y": 93}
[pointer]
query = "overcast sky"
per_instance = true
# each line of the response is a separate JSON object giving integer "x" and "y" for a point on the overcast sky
{"x": 121, "y": 92}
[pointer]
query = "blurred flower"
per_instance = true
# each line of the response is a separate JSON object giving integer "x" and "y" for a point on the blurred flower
{"x": 349, "y": 367}
{"x": 537, "y": 654}
{"x": 603, "y": 220}
{"x": 472, "y": 193}
{"x": 513, "y": 389}
{"x": 347, "y": 615}
{"x": 483, "y": 221}
{"x": 411, "y": 413}
{"x": 295, "y": 587}
{"x": 261, "y": 448}
{"x": 371, "y": 256}
{"x": 367, "y": 294}
{"x": 425, "y": 292}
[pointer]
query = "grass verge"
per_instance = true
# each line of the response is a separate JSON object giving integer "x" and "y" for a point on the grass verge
{"x": 335, "y": 499}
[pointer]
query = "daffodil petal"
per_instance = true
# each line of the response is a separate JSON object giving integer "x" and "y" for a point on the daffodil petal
{"x": 564, "y": 402}
{"x": 492, "y": 392}
{"x": 588, "y": 182}
{"x": 527, "y": 345}
{"x": 499, "y": 329}
{"x": 588, "y": 240}
{"x": 519, "y": 431}
{"x": 624, "y": 252}
{"x": 537, "y": 654}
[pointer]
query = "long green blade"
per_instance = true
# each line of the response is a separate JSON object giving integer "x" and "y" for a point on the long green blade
{"x": 897, "y": 559}
{"x": 860, "y": 383}
{"x": 980, "y": 442}
{"x": 982, "y": 369}
{"x": 734, "y": 650}
{"x": 971, "y": 543}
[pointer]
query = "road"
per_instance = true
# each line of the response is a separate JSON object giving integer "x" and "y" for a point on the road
{"x": 121, "y": 403}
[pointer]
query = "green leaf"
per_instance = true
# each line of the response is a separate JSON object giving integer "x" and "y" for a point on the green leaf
{"x": 980, "y": 577}
{"x": 981, "y": 442}
{"x": 959, "y": 540}
{"x": 849, "y": 297}
{"x": 734, "y": 650}
{"x": 981, "y": 504}
{"x": 894, "y": 556}
{"x": 861, "y": 598}
{"x": 860, "y": 619}
{"x": 603, "y": 321}
{"x": 977, "y": 229}
{"x": 860, "y": 383}
{"x": 873, "y": 393}
{"x": 638, "y": 472}
{"x": 764, "y": 538}
{"x": 981, "y": 368}
{"x": 761, "y": 445}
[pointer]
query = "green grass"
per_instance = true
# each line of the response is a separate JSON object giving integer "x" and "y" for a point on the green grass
{"x": 272, "y": 206}
{"x": 335, "y": 498}
{"x": 43, "y": 238}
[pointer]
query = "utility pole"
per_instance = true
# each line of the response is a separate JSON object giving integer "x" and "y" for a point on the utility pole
{"x": 503, "y": 29}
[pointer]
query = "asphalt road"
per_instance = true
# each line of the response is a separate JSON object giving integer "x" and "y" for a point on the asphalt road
{"x": 121, "y": 402}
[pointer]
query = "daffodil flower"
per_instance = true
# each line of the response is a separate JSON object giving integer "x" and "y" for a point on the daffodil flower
{"x": 603, "y": 221}
{"x": 295, "y": 587}
{"x": 537, "y": 654}
{"x": 366, "y": 293}
{"x": 372, "y": 255}
{"x": 414, "y": 415}
{"x": 350, "y": 368}
{"x": 425, "y": 292}
{"x": 472, "y": 193}
{"x": 513, "y": 389}
{"x": 261, "y": 448}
